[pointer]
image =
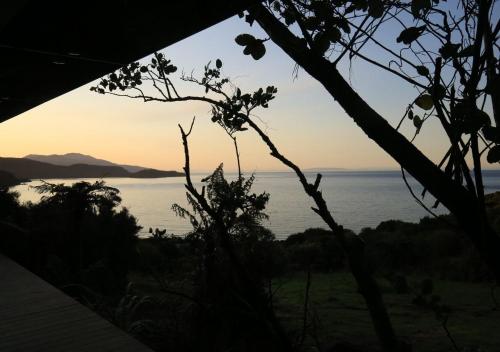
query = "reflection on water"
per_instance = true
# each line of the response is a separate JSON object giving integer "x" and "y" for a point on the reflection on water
{"x": 357, "y": 199}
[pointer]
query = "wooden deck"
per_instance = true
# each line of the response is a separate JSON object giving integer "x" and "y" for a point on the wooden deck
{"x": 35, "y": 316}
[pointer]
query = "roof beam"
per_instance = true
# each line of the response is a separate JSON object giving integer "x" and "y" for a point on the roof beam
{"x": 48, "y": 48}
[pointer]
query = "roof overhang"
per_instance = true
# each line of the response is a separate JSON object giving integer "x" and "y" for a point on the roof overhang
{"x": 48, "y": 48}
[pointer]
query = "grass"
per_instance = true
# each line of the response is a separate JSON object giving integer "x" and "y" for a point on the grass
{"x": 340, "y": 313}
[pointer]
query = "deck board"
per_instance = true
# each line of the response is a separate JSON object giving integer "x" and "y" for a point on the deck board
{"x": 35, "y": 316}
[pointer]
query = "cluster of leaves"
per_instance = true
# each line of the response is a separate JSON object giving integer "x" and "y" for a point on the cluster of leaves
{"x": 158, "y": 234}
{"x": 325, "y": 26}
{"x": 232, "y": 109}
{"x": 211, "y": 77}
{"x": 254, "y": 47}
{"x": 134, "y": 74}
{"x": 233, "y": 201}
{"x": 130, "y": 311}
{"x": 81, "y": 196}
{"x": 127, "y": 76}
{"x": 464, "y": 115}
{"x": 325, "y": 23}
{"x": 409, "y": 35}
{"x": 76, "y": 235}
{"x": 233, "y": 113}
{"x": 492, "y": 134}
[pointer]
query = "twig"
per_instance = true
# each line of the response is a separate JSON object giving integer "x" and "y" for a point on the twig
{"x": 353, "y": 247}
{"x": 254, "y": 299}
{"x": 444, "y": 323}
{"x": 414, "y": 196}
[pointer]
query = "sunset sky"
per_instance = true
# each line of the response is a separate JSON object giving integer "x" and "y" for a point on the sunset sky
{"x": 303, "y": 121}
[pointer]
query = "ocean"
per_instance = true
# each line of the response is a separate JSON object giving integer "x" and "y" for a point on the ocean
{"x": 357, "y": 199}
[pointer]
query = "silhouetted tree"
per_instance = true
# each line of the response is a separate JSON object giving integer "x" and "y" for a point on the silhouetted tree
{"x": 224, "y": 216}
{"x": 448, "y": 53}
{"x": 231, "y": 108}
{"x": 82, "y": 237}
{"x": 14, "y": 238}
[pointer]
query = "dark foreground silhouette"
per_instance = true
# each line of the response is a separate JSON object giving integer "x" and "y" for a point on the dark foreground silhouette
{"x": 184, "y": 294}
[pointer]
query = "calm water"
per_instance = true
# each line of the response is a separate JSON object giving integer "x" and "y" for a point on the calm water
{"x": 358, "y": 199}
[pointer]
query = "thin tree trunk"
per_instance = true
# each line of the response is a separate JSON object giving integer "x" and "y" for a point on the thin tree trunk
{"x": 452, "y": 195}
{"x": 354, "y": 249}
{"x": 250, "y": 289}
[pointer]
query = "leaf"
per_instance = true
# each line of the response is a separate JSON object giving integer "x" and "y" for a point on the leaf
{"x": 311, "y": 23}
{"x": 410, "y": 114}
{"x": 334, "y": 35}
{"x": 247, "y": 50}
{"x": 342, "y": 23}
{"x": 408, "y": 35}
{"x": 449, "y": 50}
{"x": 249, "y": 19}
{"x": 419, "y": 7}
{"x": 469, "y": 51}
{"x": 321, "y": 42}
{"x": 469, "y": 118}
{"x": 417, "y": 121}
{"x": 422, "y": 70}
{"x": 321, "y": 9}
{"x": 218, "y": 63}
{"x": 439, "y": 91}
{"x": 491, "y": 133}
{"x": 482, "y": 117}
{"x": 376, "y": 8}
{"x": 289, "y": 16}
{"x": 424, "y": 102}
{"x": 494, "y": 154}
{"x": 257, "y": 49}
{"x": 244, "y": 39}
{"x": 459, "y": 111}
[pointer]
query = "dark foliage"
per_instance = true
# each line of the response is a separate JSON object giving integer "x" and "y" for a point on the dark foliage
{"x": 431, "y": 247}
{"x": 74, "y": 237}
{"x": 316, "y": 249}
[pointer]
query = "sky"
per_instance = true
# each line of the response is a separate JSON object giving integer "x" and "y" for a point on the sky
{"x": 304, "y": 122}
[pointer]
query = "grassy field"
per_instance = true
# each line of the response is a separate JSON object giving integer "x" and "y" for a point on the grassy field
{"x": 339, "y": 313}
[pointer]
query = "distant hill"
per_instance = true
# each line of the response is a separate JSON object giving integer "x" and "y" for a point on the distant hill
{"x": 7, "y": 179}
{"x": 24, "y": 168}
{"x": 325, "y": 169}
{"x": 77, "y": 158}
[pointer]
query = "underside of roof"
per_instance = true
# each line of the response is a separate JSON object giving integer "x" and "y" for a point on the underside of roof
{"x": 48, "y": 48}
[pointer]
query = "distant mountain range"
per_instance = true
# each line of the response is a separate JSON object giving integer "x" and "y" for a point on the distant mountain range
{"x": 77, "y": 158}
{"x": 74, "y": 165}
{"x": 324, "y": 169}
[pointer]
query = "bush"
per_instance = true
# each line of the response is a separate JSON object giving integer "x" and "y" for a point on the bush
{"x": 432, "y": 247}
{"x": 317, "y": 249}
{"x": 74, "y": 235}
